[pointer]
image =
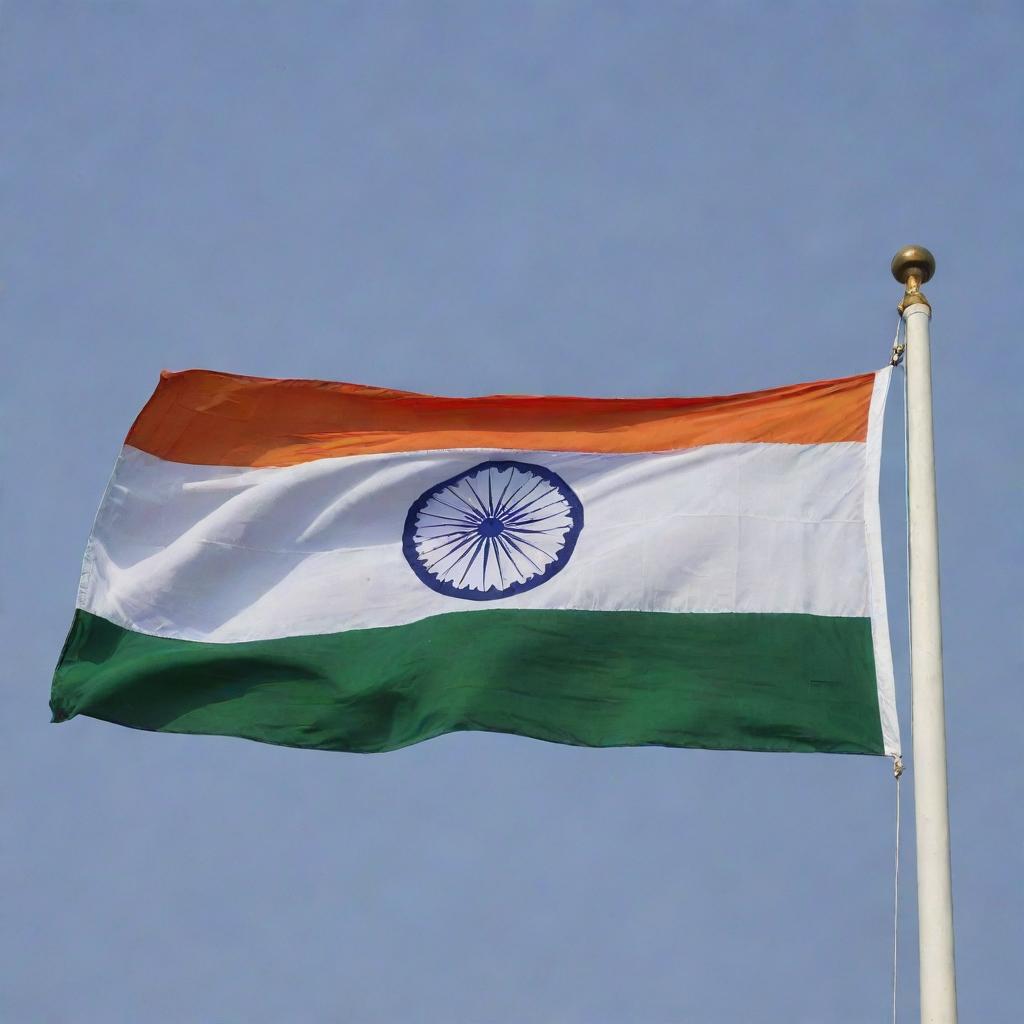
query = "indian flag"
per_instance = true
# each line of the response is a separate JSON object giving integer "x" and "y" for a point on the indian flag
{"x": 354, "y": 568}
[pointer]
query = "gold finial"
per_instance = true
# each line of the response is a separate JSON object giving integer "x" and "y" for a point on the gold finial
{"x": 912, "y": 267}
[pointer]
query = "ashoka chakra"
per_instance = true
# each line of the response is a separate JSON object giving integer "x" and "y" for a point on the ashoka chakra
{"x": 493, "y": 531}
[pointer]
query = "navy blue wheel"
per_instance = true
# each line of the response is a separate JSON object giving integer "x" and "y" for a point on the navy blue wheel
{"x": 495, "y": 530}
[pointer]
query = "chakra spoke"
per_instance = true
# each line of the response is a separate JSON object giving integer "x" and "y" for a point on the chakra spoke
{"x": 432, "y": 531}
{"x": 446, "y": 519}
{"x": 508, "y": 540}
{"x": 454, "y": 509}
{"x": 469, "y": 484}
{"x": 469, "y": 508}
{"x": 516, "y": 497}
{"x": 503, "y": 542}
{"x": 467, "y": 550}
{"x": 472, "y": 559}
{"x": 501, "y": 506}
{"x": 448, "y": 543}
{"x": 497, "y": 560}
{"x": 451, "y": 533}
{"x": 510, "y": 524}
{"x": 523, "y": 540}
{"x": 511, "y": 508}
{"x": 466, "y": 538}
{"x": 518, "y": 517}
{"x": 527, "y": 511}
{"x": 508, "y": 484}
{"x": 455, "y": 549}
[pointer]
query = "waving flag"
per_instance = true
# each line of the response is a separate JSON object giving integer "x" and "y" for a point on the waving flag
{"x": 353, "y": 568}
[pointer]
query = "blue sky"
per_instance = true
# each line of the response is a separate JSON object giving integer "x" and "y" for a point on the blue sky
{"x": 604, "y": 199}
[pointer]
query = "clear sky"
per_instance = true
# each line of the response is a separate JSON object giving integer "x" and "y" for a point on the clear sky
{"x": 603, "y": 199}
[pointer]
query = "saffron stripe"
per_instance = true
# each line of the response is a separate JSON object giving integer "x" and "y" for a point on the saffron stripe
{"x": 218, "y": 419}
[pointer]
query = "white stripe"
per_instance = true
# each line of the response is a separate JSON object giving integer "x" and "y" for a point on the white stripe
{"x": 876, "y": 573}
{"x": 227, "y": 555}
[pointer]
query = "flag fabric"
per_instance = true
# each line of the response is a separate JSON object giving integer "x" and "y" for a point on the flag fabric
{"x": 352, "y": 568}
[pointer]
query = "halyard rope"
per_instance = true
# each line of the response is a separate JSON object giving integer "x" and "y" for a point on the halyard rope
{"x": 898, "y": 347}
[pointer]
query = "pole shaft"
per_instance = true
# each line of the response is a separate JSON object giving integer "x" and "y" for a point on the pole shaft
{"x": 934, "y": 884}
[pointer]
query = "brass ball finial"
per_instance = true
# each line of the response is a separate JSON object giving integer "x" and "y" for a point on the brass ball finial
{"x": 913, "y": 260}
{"x": 912, "y": 267}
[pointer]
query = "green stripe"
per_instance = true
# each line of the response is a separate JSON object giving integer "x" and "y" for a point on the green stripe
{"x": 603, "y": 679}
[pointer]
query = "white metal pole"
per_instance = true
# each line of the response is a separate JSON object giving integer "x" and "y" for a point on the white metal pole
{"x": 934, "y": 883}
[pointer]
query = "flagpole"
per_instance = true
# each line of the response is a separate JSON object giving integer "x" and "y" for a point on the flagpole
{"x": 912, "y": 267}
